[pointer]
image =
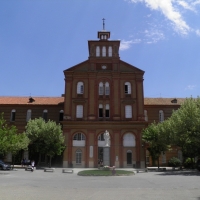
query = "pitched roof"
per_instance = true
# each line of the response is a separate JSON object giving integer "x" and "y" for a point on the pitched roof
{"x": 34, "y": 101}
{"x": 163, "y": 101}
{"x": 60, "y": 100}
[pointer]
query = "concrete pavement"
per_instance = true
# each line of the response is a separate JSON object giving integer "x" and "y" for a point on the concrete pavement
{"x": 26, "y": 185}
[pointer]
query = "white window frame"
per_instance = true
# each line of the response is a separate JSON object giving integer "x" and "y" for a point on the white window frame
{"x": 101, "y": 90}
{"x": 107, "y": 109}
{"x": 107, "y": 89}
{"x": 78, "y": 156}
{"x": 110, "y": 51}
{"x": 45, "y": 112}
{"x": 80, "y": 88}
{"x": 13, "y": 115}
{"x": 129, "y": 140}
{"x": 100, "y": 108}
{"x": 128, "y": 111}
{"x": 127, "y": 88}
{"x": 97, "y": 51}
{"x": 161, "y": 116}
{"x": 79, "y": 140}
{"x": 104, "y": 51}
{"x": 79, "y": 111}
{"x": 28, "y": 115}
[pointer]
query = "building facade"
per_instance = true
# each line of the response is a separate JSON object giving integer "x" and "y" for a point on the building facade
{"x": 101, "y": 93}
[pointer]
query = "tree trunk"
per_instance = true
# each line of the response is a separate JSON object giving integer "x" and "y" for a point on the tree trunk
{"x": 50, "y": 161}
{"x": 158, "y": 163}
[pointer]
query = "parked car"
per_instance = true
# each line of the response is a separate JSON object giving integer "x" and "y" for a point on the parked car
{"x": 4, "y": 166}
{"x": 198, "y": 164}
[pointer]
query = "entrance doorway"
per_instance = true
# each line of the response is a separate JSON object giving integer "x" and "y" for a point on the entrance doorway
{"x": 129, "y": 157}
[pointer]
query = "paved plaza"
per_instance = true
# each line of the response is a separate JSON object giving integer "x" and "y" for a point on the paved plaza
{"x": 40, "y": 185}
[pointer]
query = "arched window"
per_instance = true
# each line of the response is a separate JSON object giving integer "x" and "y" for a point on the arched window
{"x": 78, "y": 156}
{"x": 97, "y": 51}
{"x": 110, "y": 51}
{"x": 44, "y": 116}
{"x": 101, "y": 137}
{"x": 107, "y": 88}
{"x": 12, "y": 116}
{"x": 61, "y": 114}
{"x": 100, "y": 110}
{"x": 79, "y": 111}
{"x": 79, "y": 136}
{"x": 101, "y": 91}
{"x": 145, "y": 115}
{"x": 127, "y": 88}
{"x": 161, "y": 116}
{"x": 80, "y": 88}
{"x": 129, "y": 140}
{"x": 104, "y": 51}
{"x": 128, "y": 111}
{"x": 28, "y": 115}
{"x": 79, "y": 140}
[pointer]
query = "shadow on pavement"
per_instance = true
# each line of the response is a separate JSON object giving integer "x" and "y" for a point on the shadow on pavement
{"x": 180, "y": 173}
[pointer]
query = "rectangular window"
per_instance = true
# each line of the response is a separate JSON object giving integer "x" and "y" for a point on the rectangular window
{"x": 12, "y": 119}
{"x": 128, "y": 111}
{"x": 107, "y": 110}
{"x": 107, "y": 90}
{"x": 79, "y": 111}
{"x": 126, "y": 89}
{"x": 45, "y": 116}
{"x": 100, "y": 90}
{"x": 78, "y": 157}
{"x": 100, "y": 112}
{"x": 61, "y": 116}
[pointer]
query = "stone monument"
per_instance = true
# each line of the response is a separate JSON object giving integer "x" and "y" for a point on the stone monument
{"x": 106, "y": 149}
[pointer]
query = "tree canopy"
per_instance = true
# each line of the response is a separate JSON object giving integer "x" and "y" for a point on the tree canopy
{"x": 185, "y": 127}
{"x": 45, "y": 137}
{"x": 10, "y": 140}
{"x": 155, "y": 135}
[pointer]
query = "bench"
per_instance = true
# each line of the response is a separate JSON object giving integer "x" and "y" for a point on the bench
{"x": 142, "y": 170}
{"x": 68, "y": 171}
{"x": 49, "y": 169}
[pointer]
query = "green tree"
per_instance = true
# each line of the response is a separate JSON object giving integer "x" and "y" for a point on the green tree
{"x": 45, "y": 137}
{"x": 157, "y": 138}
{"x": 185, "y": 127}
{"x": 10, "y": 140}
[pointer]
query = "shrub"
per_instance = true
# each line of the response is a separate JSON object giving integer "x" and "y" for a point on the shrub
{"x": 189, "y": 163}
{"x": 174, "y": 162}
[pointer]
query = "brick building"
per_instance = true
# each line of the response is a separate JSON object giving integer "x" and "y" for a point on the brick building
{"x": 101, "y": 93}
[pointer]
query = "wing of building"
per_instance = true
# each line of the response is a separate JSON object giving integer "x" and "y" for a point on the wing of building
{"x": 101, "y": 93}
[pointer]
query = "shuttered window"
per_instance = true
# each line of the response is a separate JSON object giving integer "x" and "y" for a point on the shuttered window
{"x": 128, "y": 111}
{"x": 79, "y": 111}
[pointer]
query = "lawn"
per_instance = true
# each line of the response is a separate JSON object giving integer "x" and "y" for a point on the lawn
{"x": 105, "y": 173}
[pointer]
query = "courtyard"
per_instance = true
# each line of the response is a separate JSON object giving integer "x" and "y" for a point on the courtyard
{"x": 26, "y": 185}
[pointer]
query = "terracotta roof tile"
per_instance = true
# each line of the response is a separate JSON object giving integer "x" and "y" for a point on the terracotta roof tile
{"x": 60, "y": 100}
{"x": 26, "y": 101}
{"x": 163, "y": 101}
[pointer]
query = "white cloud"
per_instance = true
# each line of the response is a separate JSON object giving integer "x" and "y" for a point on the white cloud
{"x": 198, "y": 32}
{"x": 186, "y": 6}
{"x": 190, "y": 87}
{"x": 153, "y": 36}
{"x": 169, "y": 9}
{"x": 124, "y": 45}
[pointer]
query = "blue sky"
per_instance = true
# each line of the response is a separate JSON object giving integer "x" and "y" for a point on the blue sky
{"x": 39, "y": 39}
